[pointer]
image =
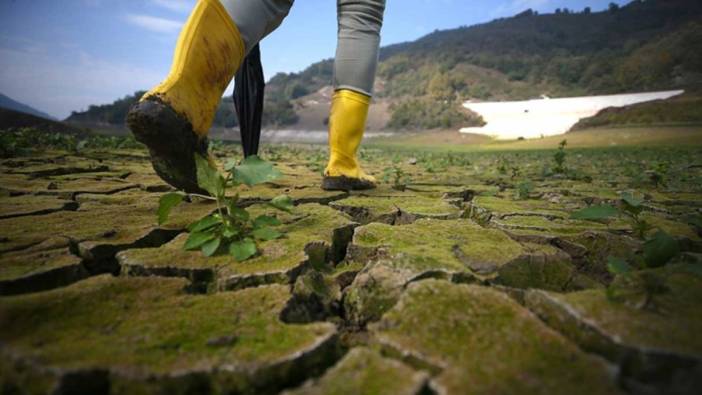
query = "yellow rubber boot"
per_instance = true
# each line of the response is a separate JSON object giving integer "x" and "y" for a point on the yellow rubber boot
{"x": 347, "y": 123}
{"x": 173, "y": 118}
{"x": 208, "y": 54}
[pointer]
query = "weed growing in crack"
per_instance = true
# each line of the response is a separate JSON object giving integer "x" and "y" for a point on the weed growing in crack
{"x": 524, "y": 190}
{"x": 397, "y": 177}
{"x": 231, "y": 229}
{"x": 502, "y": 165}
{"x": 632, "y": 286}
{"x": 658, "y": 175}
{"x": 637, "y": 289}
{"x": 631, "y": 207}
{"x": 560, "y": 158}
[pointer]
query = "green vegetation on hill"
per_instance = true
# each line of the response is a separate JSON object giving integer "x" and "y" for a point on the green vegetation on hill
{"x": 113, "y": 114}
{"x": 682, "y": 110}
{"x": 643, "y": 46}
{"x": 11, "y": 119}
{"x": 277, "y": 112}
{"x": 425, "y": 113}
{"x": 116, "y": 112}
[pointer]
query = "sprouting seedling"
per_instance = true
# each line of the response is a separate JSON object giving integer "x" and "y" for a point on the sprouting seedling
{"x": 502, "y": 166}
{"x": 397, "y": 177}
{"x": 659, "y": 249}
{"x": 524, "y": 190}
{"x": 515, "y": 172}
{"x": 231, "y": 228}
{"x": 658, "y": 174}
{"x": 632, "y": 208}
{"x": 637, "y": 289}
{"x": 560, "y": 156}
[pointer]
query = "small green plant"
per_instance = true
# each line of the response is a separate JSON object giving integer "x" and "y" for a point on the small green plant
{"x": 317, "y": 162}
{"x": 560, "y": 158}
{"x": 658, "y": 175}
{"x": 515, "y": 172}
{"x": 397, "y": 177}
{"x": 631, "y": 208}
{"x": 659, "y": 248}
{"x": 524, "y": 190}
{"x": 231, "y": 228}
{"x": 502, "y": 165}
{"x": 637, "y": 289}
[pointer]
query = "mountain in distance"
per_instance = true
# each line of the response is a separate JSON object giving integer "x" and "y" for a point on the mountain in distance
{"x": 11, "y": 119}
{"x": 642, "y": 46}
{"x": 10, "y": 104}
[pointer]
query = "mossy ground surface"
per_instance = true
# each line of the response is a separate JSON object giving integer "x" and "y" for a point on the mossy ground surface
{"x": 365, "y": 372}
{"x": 412, "y": 281}
{"x": 503, "y": 348}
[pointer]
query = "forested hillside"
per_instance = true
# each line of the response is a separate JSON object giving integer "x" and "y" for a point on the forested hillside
{"x": 643, "y": 46}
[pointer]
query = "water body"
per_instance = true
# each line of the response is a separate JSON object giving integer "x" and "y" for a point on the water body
{"x": 548, "y": 117}
{"x": 307, "y": 136}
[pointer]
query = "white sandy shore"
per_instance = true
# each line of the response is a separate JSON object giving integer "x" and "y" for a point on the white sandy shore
{"x": 548, "y": 117}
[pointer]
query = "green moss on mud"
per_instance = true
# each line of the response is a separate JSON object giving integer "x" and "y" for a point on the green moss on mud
{"x": 14, "y": 266}
{"x": 453, "y": 245}
{"x": 385, "y": 208}
{"x": 365, "y": 372}
{"x": 112, "y": 225}
{"x": 486, "y": 343}
{"x": 308, "y": 225}
{"x": 499, "y": 206}
{"x": 610, "y": 328}
{"x": 150, "y": 325}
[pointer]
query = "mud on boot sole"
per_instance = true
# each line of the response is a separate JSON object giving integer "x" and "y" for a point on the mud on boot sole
{"x": 171, "y": 141}
{"x": 342, "y": 183}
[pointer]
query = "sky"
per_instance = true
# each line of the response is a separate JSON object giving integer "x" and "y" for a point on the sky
{"x": 62, "y": 56}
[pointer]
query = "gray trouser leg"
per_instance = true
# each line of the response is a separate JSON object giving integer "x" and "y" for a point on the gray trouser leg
{"x": 356, "y": 61}
{"x": 256, "y": 18}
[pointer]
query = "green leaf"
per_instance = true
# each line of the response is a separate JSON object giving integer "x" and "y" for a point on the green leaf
{"x": 265, "y": 220}
{"x": 230, "y": 231}
{"x": 208, "y": 178}
{"x": 239, "y": 213}
{"x": 229, "y": 165}
{"x": 628, "y": 198}
{"x": 660, "y": 249}
{"x": 617, "y": 266}
{"x": 166, "y": 204}
{"x": 254, "y": 170}
{"x": 209, "y": 248}
{"x": 204, "y": 223}
{"x": 243, "y": 250}
{"x": 266, "y": 233}
{"x": 282, "y": 202}
{"x": 197, "y": 239}
{"x": 593, "y": 213}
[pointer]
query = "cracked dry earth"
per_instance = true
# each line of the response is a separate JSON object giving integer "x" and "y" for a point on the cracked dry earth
{"x": 452, "y": 285}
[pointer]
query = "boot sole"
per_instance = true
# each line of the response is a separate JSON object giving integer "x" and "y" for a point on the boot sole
{"x": 346, "y": 184}
{"x": 171, "y": 141}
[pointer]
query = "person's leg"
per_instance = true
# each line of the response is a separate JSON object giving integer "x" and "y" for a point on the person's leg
{"x": 360, "y": 22}
{"x": 174, "y": 117}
